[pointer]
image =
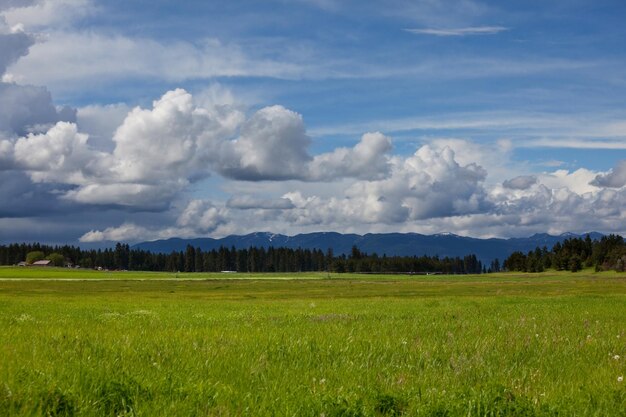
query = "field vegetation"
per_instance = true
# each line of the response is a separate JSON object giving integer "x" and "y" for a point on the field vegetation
{"x": 94, "y": 343}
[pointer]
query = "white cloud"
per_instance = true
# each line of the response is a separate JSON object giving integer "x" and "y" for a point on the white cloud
{"x": 41, "y": 13}
{"x": 578, "y": 181}
{"x": 465, "y": 31}
{"x": 575, "y": 143}
{"x": 127, "y": 232}
{"x": 202, "y": 216}
{"x": 166, "y": 141}
{"x": 272, "y": 145}
{"x": 428, "y": 184}
{"x": 428, "y": 192}
{"x": 60, "y": 155}
{"x": 367, "y": 160}
{"x": 503, "y": 122}
{"x": 198, "y": 218}
{"x": 24, "y": 108}
{"x": 246, "y": 202}
{"x": 615, "y": 178}
{"x": 134, "y": 196}
{"x": 66, "y": 60}
{"x": 157, "y": 153}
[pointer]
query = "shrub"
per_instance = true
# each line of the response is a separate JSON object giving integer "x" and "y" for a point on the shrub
{"x": 34, "y": 256}
{"x": 57, "y": 259}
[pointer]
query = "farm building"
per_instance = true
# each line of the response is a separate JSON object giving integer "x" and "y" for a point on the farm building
{"x": 44, "y": 262}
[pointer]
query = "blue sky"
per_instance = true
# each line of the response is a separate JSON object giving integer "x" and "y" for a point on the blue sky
{"x": 298, "y": 116}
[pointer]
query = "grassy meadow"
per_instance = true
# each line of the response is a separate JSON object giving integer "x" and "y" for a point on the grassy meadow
{"x": 96, "y": 343}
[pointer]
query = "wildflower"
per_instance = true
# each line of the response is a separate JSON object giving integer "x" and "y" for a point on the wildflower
{"x": 620, "y": 378}
{"x": 616, "y": 357}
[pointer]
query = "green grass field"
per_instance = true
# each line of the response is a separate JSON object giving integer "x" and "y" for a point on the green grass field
{"x": 90, "y": 343}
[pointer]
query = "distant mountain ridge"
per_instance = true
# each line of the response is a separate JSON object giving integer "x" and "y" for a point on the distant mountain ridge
{"x": 390, "y": 244}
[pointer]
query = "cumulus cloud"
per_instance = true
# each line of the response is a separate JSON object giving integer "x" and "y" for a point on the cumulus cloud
{"x": 427, "y": 192}
{"x": 439, "y": 184}
{"x": 28, "y": 109}
{"x": 367, "y": 160}
{"x": 24, "y": 108}
{"x": 59, "y": 155}
{"x": 202, "y": 216}
{"x": 428, "y": 184}
{"x": 14, "y": 44}
{"x": 198, "y": 218}
{"x": 246, "y": 202}
{"x": 9, "y": 4}
{"x": 170, "y": 140}
{"x": 158, "y": 152}
{"x": 520, "y": 183}
{"x": 578, "y": 181}
{"x": 272, "y": 146}
{"x": 128, "y": 232}
{"x": 616, "y": 178}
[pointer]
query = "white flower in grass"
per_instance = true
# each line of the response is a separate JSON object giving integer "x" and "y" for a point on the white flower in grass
{"x": 620, "y": 378}
{"x": 616, "y": 357}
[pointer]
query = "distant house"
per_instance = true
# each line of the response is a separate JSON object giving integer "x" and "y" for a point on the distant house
{"x": 44, "y": 262}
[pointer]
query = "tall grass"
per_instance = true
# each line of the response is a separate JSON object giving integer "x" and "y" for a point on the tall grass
{"x": 553, "y": 346}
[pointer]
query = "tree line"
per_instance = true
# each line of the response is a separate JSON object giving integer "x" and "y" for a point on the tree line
{"x": 253, "y": 259}
{"x": 606, "y": 253}
{"x": 573, "y": 254}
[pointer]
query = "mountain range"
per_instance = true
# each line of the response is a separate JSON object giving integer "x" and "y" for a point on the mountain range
{"x": 390, "y": 244}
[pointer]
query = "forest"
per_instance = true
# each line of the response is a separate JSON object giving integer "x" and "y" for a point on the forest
{"x": 253, "y": 259}
{"x": 574, "y": 254}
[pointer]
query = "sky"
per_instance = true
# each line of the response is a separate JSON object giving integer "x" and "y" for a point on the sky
{"x": 139, "y": 120}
